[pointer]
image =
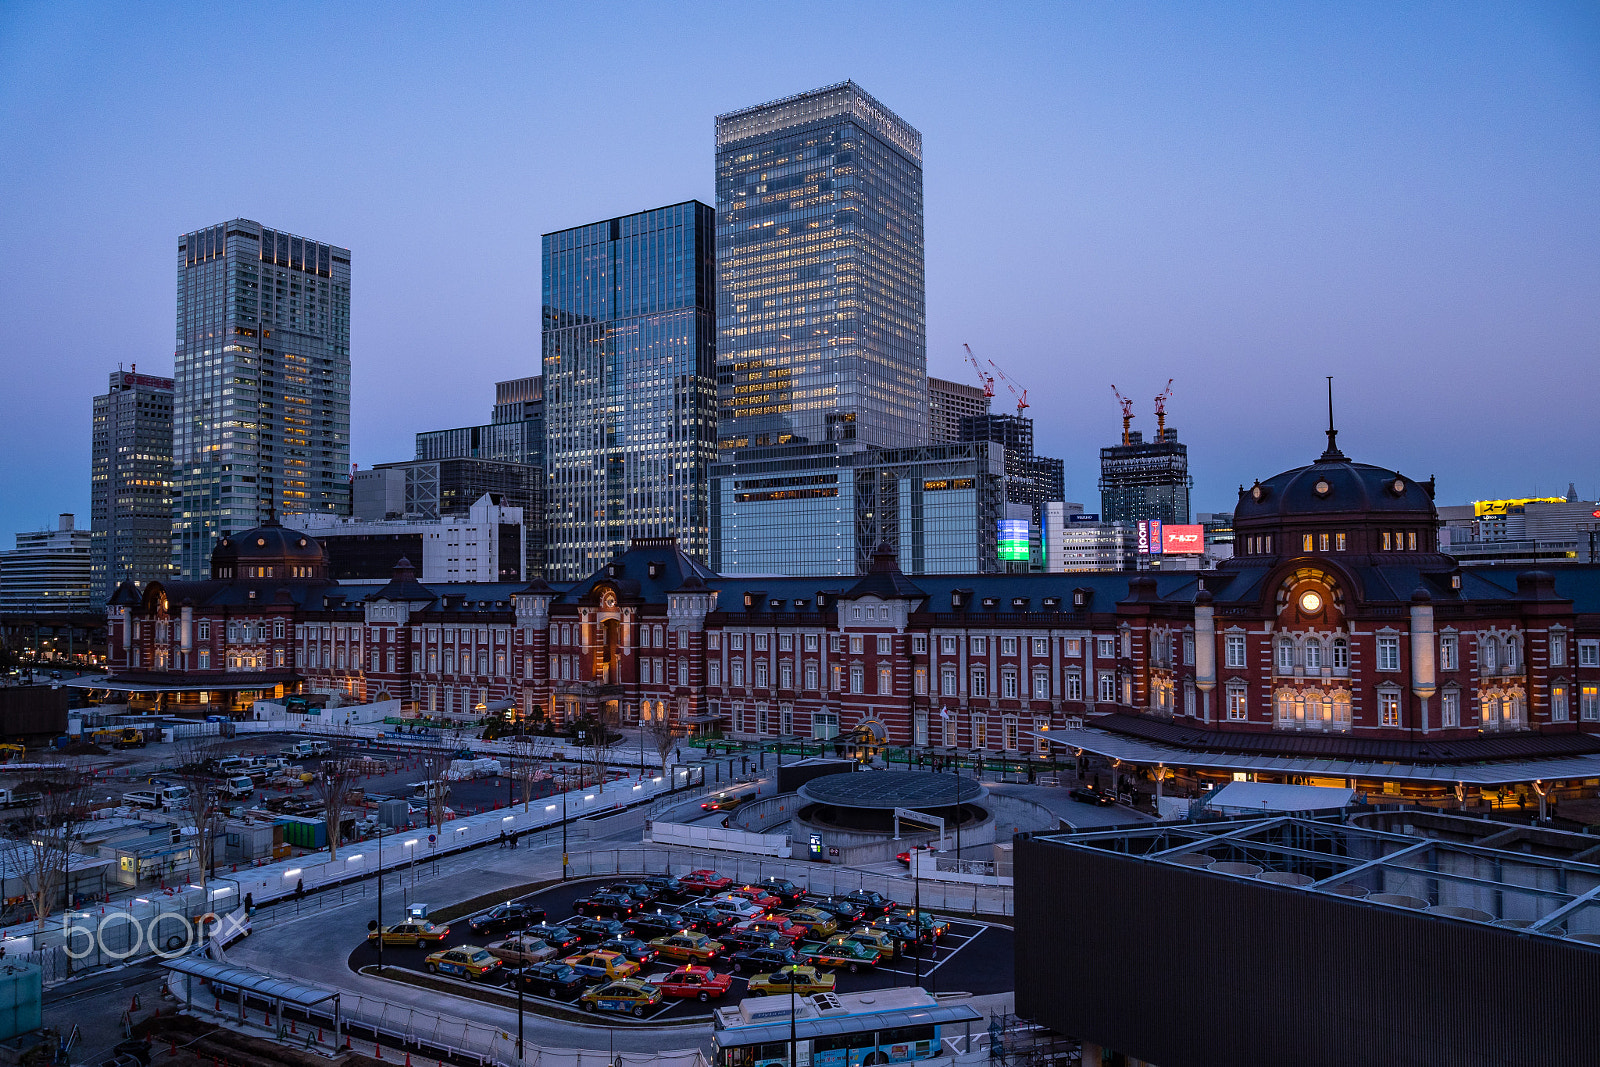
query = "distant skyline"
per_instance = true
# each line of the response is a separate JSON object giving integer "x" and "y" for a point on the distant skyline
{"x": 1243, "y": 198}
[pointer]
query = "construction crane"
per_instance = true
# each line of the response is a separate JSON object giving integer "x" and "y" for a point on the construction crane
{"x": 1127, "y": 413}
{"x": 1161, "y": 410}
{"x": 1020, "y": 394}
{"x": 986, "y": 379}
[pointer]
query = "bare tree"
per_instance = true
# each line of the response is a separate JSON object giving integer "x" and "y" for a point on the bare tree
{"x": 196, "y": 757}
{"x": 332, "y": 783}
{"x": 39, "y": 843}
{"x": 524, "y": 769}
{"x": 661, "y": 732}
{"x": 435, "y": 765}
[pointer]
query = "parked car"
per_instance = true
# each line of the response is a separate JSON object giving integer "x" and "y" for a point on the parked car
{"x": 658, "y": 924}
{"x": 705, "y": 882}
{"x": 841, "y": 952}
{"x": 603, "y": 903}
{"x": 592, "y": 931}
{"x": 410, "y": 933}
{"x": 688, "y": 947}
{"x": 786, "y": 891}
{"x": 463, "y": 961}
{"x": 805, "y": 979}
{"x": 741, "y": 938}
{"x": 503, "y": 918}
{"x": 637, "y": 890}
{"x": 885, "y": 944}
{"x": 665, "y": 886}
{"x": 598, "y": 965}
{"x": 843, "y": 909}
{"x": 703, "y": 917}
{"x": 813, "y": 923}
{"x": 552, "y": 978}
{"x": 693, "y": 982}
{"x": 630, "y": 995}
{"x": 736, "y": 906}
{"x": 875, "y": 903}
{"x": 629, "y": 947}
{"x": 755, "y": 895}
{"x": 523, "y": 949}
{"x": 562, "y": 937}
{"x": 782, "y": 925}
{"x": 768, "y": 958}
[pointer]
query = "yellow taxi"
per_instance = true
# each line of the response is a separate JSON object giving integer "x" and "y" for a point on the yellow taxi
{"x": 629, "y": 995}
{"x": 598, "y": 965}
{"x": 411, "y": 933}
{"x": 881, "y": 940}
{"x": 463, "y": 961}
{"x": 818, "y": 924}
{"x": 690, "y": 946}
{"x": 806, "y": 979}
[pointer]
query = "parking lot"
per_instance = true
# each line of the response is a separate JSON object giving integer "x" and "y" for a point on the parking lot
{"x": 972, "y": 957}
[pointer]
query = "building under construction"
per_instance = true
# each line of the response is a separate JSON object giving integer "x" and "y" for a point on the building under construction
{"x": 1140, "y": 480}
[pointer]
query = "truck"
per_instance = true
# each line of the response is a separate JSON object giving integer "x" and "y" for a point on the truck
{"x": 120, "y": 737}
{"x": 307, "y": 749}
{"x": 160, "y": 798}
{"x": 16, "y": 798}
{"x": 237, "y": 787}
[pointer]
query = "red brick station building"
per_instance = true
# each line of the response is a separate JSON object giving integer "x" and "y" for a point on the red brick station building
{"x": 1338, "y": 647}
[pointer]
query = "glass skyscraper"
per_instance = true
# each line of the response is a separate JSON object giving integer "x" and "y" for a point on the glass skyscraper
{"x": 821, "y": 338}
{"x": 261, "y": 407}
{"x": 130, "y": 482}
{"x": 629, "y": 350}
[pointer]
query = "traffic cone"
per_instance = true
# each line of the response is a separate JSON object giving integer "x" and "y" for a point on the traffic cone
{"x": 135, "y": 1005}
{"x": 377, "y": 1051}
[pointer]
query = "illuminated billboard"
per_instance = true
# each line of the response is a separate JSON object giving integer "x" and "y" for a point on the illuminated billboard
{"x": 1150, "y": 537}
{"x": 1014, "y": 540}
{"x": 1183, "y": 540}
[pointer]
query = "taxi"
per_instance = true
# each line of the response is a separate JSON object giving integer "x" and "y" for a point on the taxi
{"x": 705, "y": 881}
{"x": 842, "y": 952}
{"x": 701, "y": 983}
{"x": 690, "y": 946}
{"x": 629, "y": 995}
{"x": 880, "y": 941}
{"x": 523, "y": 949}
{"x": 814, "y": 922}
{"x": 722, "y": 802}
{"x": 412, "y": 933}
{"x": 756, "y": 895}
{"x": 807, "y": 979}
{"x": 598, "y": 965}
{"x": 782, "y": 925}
{"x": 463, "y": 961}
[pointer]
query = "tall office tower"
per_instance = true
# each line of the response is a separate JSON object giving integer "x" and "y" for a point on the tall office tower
{"x": 261, "y": 411}
{"x": 130, "y": 482}
{"x": 1142, "y": 480}
{"x": 948, "y": 404}
{"x": 629, "y": 384}
{"x": 1031, "y": 480}
{"x": 821, "y": 338}
{"x": 48, "y": 573}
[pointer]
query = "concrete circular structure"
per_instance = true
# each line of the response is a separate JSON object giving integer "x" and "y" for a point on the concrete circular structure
{"x": 887, "y": 790}
{"x": 850, "y": 817}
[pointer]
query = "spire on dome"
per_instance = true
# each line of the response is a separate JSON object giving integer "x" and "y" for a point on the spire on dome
{"x": 1333, "y": 452}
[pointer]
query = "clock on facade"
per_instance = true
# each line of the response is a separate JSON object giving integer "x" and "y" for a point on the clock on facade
{"x": 1311, "y": 602}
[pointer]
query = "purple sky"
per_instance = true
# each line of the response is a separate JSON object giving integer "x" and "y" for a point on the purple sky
{"x": 1242, "y": 197}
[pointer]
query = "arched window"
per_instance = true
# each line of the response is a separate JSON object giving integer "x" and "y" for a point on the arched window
{"x": 1490, "y": 655}
{"x": 1341, "y": 654}
{"x": 1313, "y": 654}
{"x": 1285, "y": 655}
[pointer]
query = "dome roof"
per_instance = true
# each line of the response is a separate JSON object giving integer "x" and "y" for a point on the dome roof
{"x": 1335, "y": 486}
{"x": 268, "y": 545}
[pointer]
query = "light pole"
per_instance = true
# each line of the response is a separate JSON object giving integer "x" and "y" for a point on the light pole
{"x": 563, "y": 824}
{"x": 380, "y": 900}
{"x": 791, "y": 1016}
{"x": 519, "y": 1012}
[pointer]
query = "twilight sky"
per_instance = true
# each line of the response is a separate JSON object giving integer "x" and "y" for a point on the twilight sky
{"x": 1243, "y": 197}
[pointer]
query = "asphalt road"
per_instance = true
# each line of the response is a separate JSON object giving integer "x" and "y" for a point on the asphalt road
{"x": 972, "y": 957}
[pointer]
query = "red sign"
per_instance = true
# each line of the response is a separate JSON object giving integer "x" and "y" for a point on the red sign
{"x": 1183, "y": 540}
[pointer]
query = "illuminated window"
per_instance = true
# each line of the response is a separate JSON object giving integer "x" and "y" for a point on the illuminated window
{"x": 1448, "y": 652}
{"x": 1558, "y": 703}
{"x": 1237, "y": 707}
{"x": 1389, "y": 708}
{"x": 1305, "y": 543}
{"x": 1322, "y": 542}
{"x": 1387, "y": 545}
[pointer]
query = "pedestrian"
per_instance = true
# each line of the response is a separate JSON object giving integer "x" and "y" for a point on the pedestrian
{"x": 249, "y": 903}
{"x": 502, "y": 839}
{"x": 299, "y": 888}
{"x": 514, "y": 837}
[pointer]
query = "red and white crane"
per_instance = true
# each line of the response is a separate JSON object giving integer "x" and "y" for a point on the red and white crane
{"x": 1020, "y": 394}
{"x": 986, "y": 379}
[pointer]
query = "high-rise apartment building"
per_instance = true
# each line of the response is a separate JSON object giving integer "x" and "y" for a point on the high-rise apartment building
{"x": 130, "y": 482}
{"x": 948, "y": 404}
{"x": 261, "y": 407}
{"x": 1141, "y": 480}
{"x": 821, "y": 349}
{"x": 629, "y": 349}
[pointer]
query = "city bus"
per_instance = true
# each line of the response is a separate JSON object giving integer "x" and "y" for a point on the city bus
{"x": 884, "y": 1026}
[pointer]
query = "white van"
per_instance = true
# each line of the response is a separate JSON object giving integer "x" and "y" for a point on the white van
{"x": 424, "y": 790}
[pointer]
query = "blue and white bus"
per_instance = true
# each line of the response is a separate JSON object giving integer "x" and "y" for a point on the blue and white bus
{"x": 883, "y": 1026}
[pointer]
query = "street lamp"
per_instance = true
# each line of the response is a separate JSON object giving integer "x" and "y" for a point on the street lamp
{"x": 380, "y": 900}
{"x": 563, "y": 823}
{"x": 791, "y": 975}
